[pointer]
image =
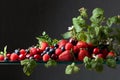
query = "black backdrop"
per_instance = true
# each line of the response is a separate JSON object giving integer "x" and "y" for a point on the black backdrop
{"x": 22, "y": 20}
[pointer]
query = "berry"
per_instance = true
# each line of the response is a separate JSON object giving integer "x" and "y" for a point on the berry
{"x": 22, "y": 56}
{"x": 73, "y": 41}
{"x": 46, "y": 57}
{"x": 8, "y": 55}
{"x": 22, "y": 51}
{"x": 54, "y": 56}
{"x": 62, "y": 43}
{"x": 63, "y": 48}
{"x": 37, "y": 57}
{"x": 99, "y": 55}
{"x": 14, "y": 57}
{"x": 28, "y": 56}
{"x": 76, "y": 49}
{"x": 65, "y": 56}
{"x": 68, "y": 46}
{"x": 58, "y": 51}
{"x": 96, "y": 50}
{"x": 1, "y": 57}
{"x": 111, "y": 54}
{"x": 43, "y": 45}
{"x": 82, "y": 44}
{"x": 82, "y": 53}
{"x": 33, "y": 51}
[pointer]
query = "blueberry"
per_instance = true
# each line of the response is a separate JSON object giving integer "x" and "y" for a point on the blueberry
{"x": 16, "y": 51}
{"x": 47, "y": 48}
{"x": 44, "y": 52}
{"x": 56, "y": 45}
{"x": 63, "y": 48}
{"x": 52, "y": 50}
{"x": 73, "y": 41}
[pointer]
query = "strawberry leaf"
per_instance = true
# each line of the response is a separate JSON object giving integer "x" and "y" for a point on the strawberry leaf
{"x": 51, "y": 63}
{"x": 111, "y": 62}
{"x": 28, "y": 66}
{"x": 72, "y": 68}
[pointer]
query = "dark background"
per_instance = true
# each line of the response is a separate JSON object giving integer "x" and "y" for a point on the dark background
{"x": 22, "y": 20}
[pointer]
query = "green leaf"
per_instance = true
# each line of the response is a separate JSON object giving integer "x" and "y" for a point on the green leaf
{"x": 5, "y": 51}
{"x": 97, "y": 16}
{"x": 112, "y": 20}
{"x": 83, "y": 12}
{"x": 67, "y": 35}
{"x": 28, "y": 66}
{"x": 111, "y": 62}
{"x": 50, "y": 63}
{"x": 70, "y": 69}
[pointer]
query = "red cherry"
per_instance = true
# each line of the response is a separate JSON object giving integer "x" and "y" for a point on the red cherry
{"x": 96, "y": 50}
{"x": 1, "y": 57}
{"x": 8, "y": 55}
{"x": 33, "y": 51}
{"x": 22, "y": 51}
{"x": 28, "y": 56}
{"x": 37, "y": 57}
{"x": 22, "y": 56}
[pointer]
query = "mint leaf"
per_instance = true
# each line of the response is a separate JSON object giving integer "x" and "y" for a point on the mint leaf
{"x": 50, "y": 63}
{"x": 28, "y": 66}
{"x": 70, "y": 69}
{"x": 67, "y": 35}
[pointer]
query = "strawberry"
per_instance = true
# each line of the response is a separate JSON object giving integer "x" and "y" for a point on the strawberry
{"x": 22, "y": 51}
{"x": 68, "y": 46}
{"x": 82, "y": 53}
{"x": 33, "y": 51}
{"x": 62, "y": 43}
{"x": 46, "y": 57}
{"x": 65, "y": 56}
{"x": 58, "y": 51}
{"x": 99, "y": 55}
{"x": 82, "y": 44}
{"x": 14, "y": 57}
{"x": 96, "y": 50}
{"x": 111, "y": 54}
{"x": 43, "y": 45}
{"x": 75, "y": 49}
{"x": 1, "y": 57}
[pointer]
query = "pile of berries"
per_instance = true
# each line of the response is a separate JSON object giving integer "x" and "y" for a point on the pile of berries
{"x": 64, "y": 50}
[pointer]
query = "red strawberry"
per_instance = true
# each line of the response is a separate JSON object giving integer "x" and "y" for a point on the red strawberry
{"x": 33, "y": 51}
{"x": 111, "y": 54}
{"x": 65, "y": 56}
{"x": 58, "y": 51}
{"x": 68, "y": 46}
{"x": 1, "y": 57}
{"x": 46, "y": 57}
{"x": 82, "y": 54}
{"x": 76, "y": 49}
{"x": 22, "y": 51}
{"x": 96, "y": 50}
{"x": 82, "y": 44}
{"x": 43, "y": 45}
{"x": 99, "y": 55}
{"x": 62, "y": 43}
{"x": 14, "y": 57}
